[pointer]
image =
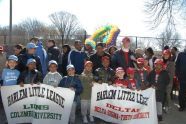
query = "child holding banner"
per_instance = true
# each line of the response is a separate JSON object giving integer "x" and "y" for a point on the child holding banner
{"x": 141, "y": 74}
{"x": 132, "y": 82}
{"x": 105, "y": 74}
{"x": 53, "y": 77}
{"x": 9, "y": 77}
{"x": 31, "y": 75}
{"x": 120, "y": 81}
{"x": 159, "y": 79}
{"x": 10, "y": 74}
{"x": 73, "y": 82}
{"x": 87, "y": 81}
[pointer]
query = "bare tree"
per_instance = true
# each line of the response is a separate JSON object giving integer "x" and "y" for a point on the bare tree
{"x": 169, "y": 38}
{"x": 81, "y": 35}
{"x": 33, "y": 27}
{"x": 164, "y": 10}
{"x": 66, "y": 23}
{"x": 52, "y": 32}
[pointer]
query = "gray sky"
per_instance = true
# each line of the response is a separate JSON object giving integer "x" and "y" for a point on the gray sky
{"x": 128, "y": 15}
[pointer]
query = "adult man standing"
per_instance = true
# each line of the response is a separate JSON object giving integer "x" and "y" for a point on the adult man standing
{"x": 123, "y": 57}
{"x": 89, "y": 49}
{"x": 96, "y": 58}
{"x": 181, "y": 74}
{"x": 53, "y": 52}
{"x": 77, "y": 57}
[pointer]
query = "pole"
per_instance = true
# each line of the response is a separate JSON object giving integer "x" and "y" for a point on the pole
{"x": 136, "y": 42}
{"x": 10, "y": 25}
{"x": 5, "y": 43}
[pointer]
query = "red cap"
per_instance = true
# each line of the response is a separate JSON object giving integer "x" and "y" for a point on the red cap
{"x": 105, "y": 58}
{"x": 130, "y": 70}
{"x": 119, "y": 69}
{"x": 126, "y": 39}
{"x": 140, "y": 61}
{"x": 159, "y": 62}
{"x": 88, "y": 62}
{"x": 1, "y": 48}
{"x": 167, "y": 52}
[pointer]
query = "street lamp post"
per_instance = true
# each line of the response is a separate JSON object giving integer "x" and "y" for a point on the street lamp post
{"x": 10, "y": 25}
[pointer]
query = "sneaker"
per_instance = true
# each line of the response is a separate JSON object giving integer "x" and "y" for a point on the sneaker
{"x": 181, "y": 109}
{"x": 160, "y": 118}
{"x": 85, "y": 121}
{"x": 166, "y": 109}
{"x": 91, "y": 119}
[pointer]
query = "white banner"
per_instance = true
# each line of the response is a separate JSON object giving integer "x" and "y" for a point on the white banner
{"x": 37, "y": 104}
{"x": 123, "y": 106}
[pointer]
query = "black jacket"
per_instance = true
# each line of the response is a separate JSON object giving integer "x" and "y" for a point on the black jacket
{"x": 118, "y": 60}
{"x": 53, "y": 53}
{"x": 97, "y": 60}
{"x": 104, "y": 76}
{"x": 181, "y": 67}
{"x": 22, "y": 61}
{"x": 162, "y": 82}
{"x": 28, "y": 77}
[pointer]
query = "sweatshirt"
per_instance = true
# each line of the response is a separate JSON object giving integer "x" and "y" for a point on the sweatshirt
{"x": 52, "y": 79}
{"x": 10, "y": 76}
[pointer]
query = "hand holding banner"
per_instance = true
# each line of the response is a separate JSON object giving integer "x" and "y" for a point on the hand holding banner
{"x": 37, "y": 104}
{"x": 123, "y": 106}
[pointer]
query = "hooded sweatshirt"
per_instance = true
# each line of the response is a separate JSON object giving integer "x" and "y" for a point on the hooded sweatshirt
{"x": 40, "y": 51}
{"x": 10, "y": 76}
{"x": 52, "y": 79}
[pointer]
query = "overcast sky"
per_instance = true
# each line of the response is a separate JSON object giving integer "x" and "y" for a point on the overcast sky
{"x": 128, "y": 15}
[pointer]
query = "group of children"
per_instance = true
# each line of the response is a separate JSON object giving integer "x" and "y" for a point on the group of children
{"x": 135, "y": 79}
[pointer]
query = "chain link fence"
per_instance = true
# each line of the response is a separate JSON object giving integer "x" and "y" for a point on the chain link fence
{"x": 137, "y": 42}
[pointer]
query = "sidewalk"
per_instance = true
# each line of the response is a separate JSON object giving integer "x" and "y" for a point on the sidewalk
{"x": 174, "y": 116}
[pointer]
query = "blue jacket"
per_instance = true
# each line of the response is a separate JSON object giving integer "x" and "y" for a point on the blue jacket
{"x": 72, "y": 81}
{"x": 40, "y": 51}
{"x": 77, "y": 58}
{"x": 10, "y": 76}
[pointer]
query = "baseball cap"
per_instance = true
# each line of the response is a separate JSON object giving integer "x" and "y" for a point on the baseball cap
{"x": 13, "y": 57}
{"x": 52, "y": 62}
{"x": 70, "y": 66}
{"x": 88, "y": 62}
{"x": 130, "y": 70}
{"x": 159, "y": 62}
{"x": 119, "y": 69}
{"x": 31, "y": 46}
{"x": 31, "y": 61}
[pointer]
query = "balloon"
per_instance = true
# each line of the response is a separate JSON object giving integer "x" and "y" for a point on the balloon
{"x": 109, "y": 33}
